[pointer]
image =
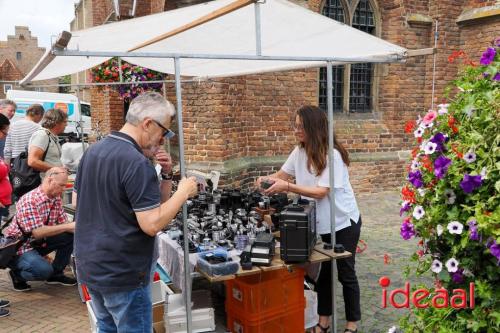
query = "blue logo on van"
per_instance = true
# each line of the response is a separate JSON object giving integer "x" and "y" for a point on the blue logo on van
{"x": 70, "y": 108}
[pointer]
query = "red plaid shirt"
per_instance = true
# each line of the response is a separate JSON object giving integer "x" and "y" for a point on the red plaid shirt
{"x": 32, "y": 212}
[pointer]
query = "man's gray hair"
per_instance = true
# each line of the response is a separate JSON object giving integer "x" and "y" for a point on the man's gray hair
{"x": 149, "y": 105}
{"x": 53, "y": 117}
{"x": 6, "y": 102}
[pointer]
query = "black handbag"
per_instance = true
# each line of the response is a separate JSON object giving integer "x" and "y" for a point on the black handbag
{"x": 23, "y": 177}
{"x": 9, "y": 246}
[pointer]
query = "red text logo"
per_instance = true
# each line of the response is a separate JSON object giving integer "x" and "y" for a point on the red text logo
{"x": 422, "y": 298}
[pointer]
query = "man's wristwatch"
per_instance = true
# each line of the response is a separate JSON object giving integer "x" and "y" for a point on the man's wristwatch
{"x": 167, "y": 176}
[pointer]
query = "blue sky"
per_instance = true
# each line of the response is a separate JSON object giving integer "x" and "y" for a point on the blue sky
{"x": 45, "y": 18}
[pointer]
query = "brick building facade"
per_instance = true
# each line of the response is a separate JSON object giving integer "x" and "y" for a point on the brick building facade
{"x": 18, "y": 55}
{"x": 241, "y": 126}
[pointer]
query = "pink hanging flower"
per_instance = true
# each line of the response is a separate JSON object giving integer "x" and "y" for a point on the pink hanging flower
{"x": 429, "y": 117}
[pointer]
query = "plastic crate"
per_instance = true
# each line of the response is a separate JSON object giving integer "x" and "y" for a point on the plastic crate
{"x": 289, "y": 321}
{"x": 268, "y": 292}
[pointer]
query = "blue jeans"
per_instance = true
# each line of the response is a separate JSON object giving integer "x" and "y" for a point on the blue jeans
{"x": 125, "y": 311}
{"x": 31, "y": 266}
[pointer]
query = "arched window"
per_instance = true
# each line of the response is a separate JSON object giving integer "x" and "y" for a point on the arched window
{"x": 360, "y": 77}
{"x": 334, "y": 10}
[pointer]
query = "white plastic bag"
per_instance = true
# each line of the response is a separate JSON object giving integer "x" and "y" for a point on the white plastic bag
{"x": 311, "y": 311}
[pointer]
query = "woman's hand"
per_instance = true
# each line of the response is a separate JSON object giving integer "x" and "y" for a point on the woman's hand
{"x": 258, "y": 181}
{"x": 279, "y": 186}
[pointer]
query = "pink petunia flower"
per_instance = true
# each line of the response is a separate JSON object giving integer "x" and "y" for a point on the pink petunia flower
{"x": 429, "y": 117}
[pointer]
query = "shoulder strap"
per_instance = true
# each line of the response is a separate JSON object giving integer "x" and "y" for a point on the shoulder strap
{"x": 48, "y": 145}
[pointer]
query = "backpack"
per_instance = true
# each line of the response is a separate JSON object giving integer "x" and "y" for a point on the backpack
{"x": 23, "y": 177}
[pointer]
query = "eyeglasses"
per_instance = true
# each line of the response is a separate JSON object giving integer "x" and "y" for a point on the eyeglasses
{"x": 167, "y": 133}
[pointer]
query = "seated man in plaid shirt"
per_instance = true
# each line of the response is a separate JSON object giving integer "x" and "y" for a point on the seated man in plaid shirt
{"x": 40, "y": 215}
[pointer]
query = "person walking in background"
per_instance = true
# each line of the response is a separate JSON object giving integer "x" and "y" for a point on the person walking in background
{"x": 45, "y": 142}
{"x": 20, "y": 132}
{"x": 8, "y": 109}
{"x": 5, "y": 195}
{"x": 308, "y": 163}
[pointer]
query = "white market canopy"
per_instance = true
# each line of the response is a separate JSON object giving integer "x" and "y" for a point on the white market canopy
{"x": 287, "y": 30}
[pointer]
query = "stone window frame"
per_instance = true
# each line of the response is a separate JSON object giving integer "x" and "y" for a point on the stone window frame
{"x": 19, "y": 55}
{"x": 349, "y": 9}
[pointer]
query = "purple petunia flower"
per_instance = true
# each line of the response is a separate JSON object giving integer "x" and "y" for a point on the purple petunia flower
{"x": 407, "y": 230}
{"x": 458, "y": 276}
{"x": 439, "y": 139}
{"x": 496, "y": 77}
{"x": 470, "y": 183}
{"x": 494, "y": 249}
{"x": 415, "y": 177}
{"x": 441, "y": 165}
{"x": 473, "y": 234}
{"x": 404, "y": 208}
{"x": 488, "y": 56}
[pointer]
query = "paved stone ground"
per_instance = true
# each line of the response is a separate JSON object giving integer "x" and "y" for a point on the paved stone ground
{"x": 58, "y": 309}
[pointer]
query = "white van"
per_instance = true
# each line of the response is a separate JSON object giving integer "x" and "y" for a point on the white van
{"x": 65, "y": 102}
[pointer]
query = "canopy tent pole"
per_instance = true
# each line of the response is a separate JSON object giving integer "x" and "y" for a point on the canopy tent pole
{"x": 185, "y": 231}
{"x": 434, "y": 65}
{"x": 331, "y": 133}
{"x": 258, "y": 38}
{"x": 80, "y": 121}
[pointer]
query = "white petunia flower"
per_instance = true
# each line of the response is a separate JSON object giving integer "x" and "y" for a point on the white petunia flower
{"x": 393, "y": 329}
{"x": 452, "y": 265}
{"x": 450, "y": 196}
{"x": 429, "y": 125}
{"x": 439, "y": 229}
{"x": 483, "y": 173}
{"x": 436, "y": 266}
{"x": 470, "y": 156}
{"x": 455, "y": 227}
{"x": 415, "y": 165}
{"x": 443, "y": 109}
{"x": 430, "y": 148}
{"x": 421, "y": 191}
{"x": 418, "y": 132}
{"x": 418, "y": 212}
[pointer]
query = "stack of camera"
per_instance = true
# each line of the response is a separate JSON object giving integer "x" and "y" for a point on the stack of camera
{"x": 224, "y": 218}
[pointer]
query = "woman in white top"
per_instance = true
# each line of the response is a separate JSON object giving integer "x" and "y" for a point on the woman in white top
{"x": 308, "y": 164}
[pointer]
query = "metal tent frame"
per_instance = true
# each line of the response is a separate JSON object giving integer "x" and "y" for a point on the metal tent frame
{"x": 59, "y": 49}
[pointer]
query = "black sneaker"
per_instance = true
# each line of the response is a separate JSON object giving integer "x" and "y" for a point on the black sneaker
{"x": 4, "y": 312}
{"x": 4, "y": 303}
{"x": 61, "y": 279}
{"x": 17, "y": 283}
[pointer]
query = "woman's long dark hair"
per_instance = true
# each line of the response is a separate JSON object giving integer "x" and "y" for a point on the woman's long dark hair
{"x": 315, "y": 126}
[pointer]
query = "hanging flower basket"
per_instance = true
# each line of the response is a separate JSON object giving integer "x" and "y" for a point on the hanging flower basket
{"x": 451, "y": 198}
{"x": 109, "y": 72}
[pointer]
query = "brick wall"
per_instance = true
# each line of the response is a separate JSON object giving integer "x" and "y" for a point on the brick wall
{"x": 242, "y": 126}
{"x": 107, "y": 109}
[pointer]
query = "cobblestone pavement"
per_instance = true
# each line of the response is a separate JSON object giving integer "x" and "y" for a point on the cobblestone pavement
{"x": 58, "y": 309}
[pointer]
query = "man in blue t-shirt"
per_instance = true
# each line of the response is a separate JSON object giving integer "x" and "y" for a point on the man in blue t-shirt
{"x": 120, "y": 208}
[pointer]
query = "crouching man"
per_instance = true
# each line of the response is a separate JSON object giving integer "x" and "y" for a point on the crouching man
{"x": 40, "y": 216}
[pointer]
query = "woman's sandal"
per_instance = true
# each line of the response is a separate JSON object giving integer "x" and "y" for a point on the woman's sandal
{"x": 323, "y": 329}
{"x": 348, "y": 330}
